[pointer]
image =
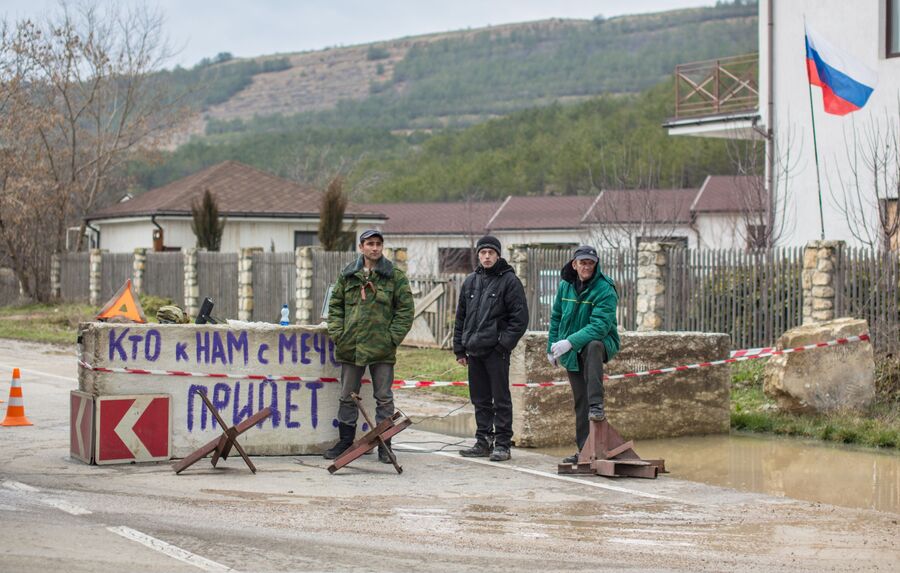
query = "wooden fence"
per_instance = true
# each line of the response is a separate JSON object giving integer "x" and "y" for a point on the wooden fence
{"x": 326, "y": 268}
{"x": 752, "y": 297}
{"x": 868, "y": 286}
{"x": 217, "y": 277}
{"x": 543, "y": 276}
{"x": 75, "y": 277}
{"x": 164, "y": 276}
{"x": 9, "y": 287}
{"x": 274, "y": 280}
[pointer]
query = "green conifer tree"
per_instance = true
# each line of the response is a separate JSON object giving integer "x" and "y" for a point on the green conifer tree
{"x": 206, "y": 224}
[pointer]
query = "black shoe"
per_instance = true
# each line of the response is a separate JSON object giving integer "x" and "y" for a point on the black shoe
{"x": 479, "y": 450}
{"x": 347, "y": 435}
{"x": 383, "y": 456}
{"x": 500, "y": 454}
{"x": 573, "y": 459}
{"x": 596, "y": 413}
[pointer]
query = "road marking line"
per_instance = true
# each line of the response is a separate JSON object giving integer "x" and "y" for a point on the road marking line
{"x": 651, "y": 542}
{"x": 552, "y": 476}
{"x": 18, "y": 486}
{"x": 42, "y": 373}
{"x": 169, "y": 549}
{"x": 64, "y": 505}
{"x": 60, "y": 504}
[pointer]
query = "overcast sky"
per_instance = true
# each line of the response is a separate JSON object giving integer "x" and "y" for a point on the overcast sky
{"x": 203, "y": 28}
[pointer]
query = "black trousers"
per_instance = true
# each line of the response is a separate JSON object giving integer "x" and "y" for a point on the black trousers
{"x": 587, "y": 387}
{"x": 489, "y": 392}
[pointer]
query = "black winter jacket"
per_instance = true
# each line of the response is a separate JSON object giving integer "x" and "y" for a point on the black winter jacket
{"x": 492, "y": 313}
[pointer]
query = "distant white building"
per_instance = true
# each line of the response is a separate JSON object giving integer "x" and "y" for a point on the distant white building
{"x": 273, "y": 213}
{"x": 262, "y": 210}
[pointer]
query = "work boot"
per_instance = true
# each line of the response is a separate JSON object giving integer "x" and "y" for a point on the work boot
{"x": 500, "y": 454}
{"x": 383, "y": 456}
{"x": 479, "y": 450}
{"x": 573, "y": 459}
{"x": 346, "y": 435}
{"x": 596, "y": 413}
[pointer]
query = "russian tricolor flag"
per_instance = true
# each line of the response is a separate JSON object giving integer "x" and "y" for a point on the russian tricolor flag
{"x": 846, "y": 82}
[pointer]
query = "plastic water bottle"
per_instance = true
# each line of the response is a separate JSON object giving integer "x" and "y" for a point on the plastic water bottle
{"x": 285, "y": 315}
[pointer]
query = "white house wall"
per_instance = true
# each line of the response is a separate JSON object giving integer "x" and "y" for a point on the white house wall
{"x": 125, "y": 235}
{"x": 721, "y": 231}
{"x": 857, "y": 28}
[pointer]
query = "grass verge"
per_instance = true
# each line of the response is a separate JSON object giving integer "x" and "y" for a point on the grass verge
{"x": 879, "y": 426}
{"x": 55, "y": 323}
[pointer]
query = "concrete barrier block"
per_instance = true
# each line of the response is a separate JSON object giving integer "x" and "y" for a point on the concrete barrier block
{"x": 694, "y": 402}
{"x": 303, "y": 421}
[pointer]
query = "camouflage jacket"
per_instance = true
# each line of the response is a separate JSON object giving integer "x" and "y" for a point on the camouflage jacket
{"x": 368, "y": 318}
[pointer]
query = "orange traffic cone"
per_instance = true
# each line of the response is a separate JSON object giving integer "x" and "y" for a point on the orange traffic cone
{"x": 15, "y": 410}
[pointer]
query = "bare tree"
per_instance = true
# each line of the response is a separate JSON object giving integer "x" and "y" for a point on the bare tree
{"x": 77, "y": 100}
{"x": 872, "y": 181}
{"x": 98, "y": 79}
{"x": 629, "y": 206}
{"x": 27, "y": 204}
{"x": 763, "y": 211}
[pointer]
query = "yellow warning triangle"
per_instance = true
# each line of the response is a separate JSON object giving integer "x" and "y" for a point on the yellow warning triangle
{"x": 123, "y": 304}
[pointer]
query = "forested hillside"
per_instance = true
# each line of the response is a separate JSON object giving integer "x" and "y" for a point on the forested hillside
{"x": 533, "y": 108}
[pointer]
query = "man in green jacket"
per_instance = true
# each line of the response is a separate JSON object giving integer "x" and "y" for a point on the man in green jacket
{"x": 369, "y": 315}
{"x": 583, "y": 336}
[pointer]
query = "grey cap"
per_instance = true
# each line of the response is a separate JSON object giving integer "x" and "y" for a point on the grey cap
{"x": 586, "y": 252}
{"x": 369, "y": 233}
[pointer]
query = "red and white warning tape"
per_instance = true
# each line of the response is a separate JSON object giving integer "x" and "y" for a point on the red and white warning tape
{"x": 735, "y": 356}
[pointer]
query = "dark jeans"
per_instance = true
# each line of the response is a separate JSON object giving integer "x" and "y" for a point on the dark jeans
{"x": 489, "y": 392}
{"x": 587, "y": 387}
{"x": 351, "y": 380}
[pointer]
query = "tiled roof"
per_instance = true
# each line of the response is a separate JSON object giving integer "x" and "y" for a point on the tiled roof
{"x": 641, "y": 206}
{"x": 435, "y": 218}
{"x": 240, "y": 190}
{"x": 730, "y": 194}
{"x": 544, "y": 212}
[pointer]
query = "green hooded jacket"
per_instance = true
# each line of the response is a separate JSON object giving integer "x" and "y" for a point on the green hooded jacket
{"x": 368, "y": 325}
{"x": 584, "y": 317}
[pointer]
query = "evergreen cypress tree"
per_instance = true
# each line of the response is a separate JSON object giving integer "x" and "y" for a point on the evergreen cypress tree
{"x": 207, "y": 226}
{"x": 331, "y": 218}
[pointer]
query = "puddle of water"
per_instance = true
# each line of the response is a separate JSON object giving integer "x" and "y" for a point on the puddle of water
{"x": 799, "y": 469}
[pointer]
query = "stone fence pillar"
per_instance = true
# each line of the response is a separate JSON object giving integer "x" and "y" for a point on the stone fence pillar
{"x": 94, "y": 278}
{"x": 245, "y": 282}
{"x": 653, "y": 266}
{"x": 518, "y": 260}
{"x": 138, "y": 264}
{"x": 191, "y": 283}
{"x": 55, "y": 276}
{"x": 304, "y": 312}
{"x": 399, "y": 256}
{"x": 820, "y": 262}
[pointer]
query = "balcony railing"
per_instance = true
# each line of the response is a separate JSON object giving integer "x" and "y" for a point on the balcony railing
{"x": 714, "y": 87}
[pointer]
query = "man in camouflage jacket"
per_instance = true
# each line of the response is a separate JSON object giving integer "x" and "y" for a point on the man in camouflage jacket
{"x": 369, "y": 315}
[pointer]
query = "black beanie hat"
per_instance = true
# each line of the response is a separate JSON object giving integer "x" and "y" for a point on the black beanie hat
{"x": 488, "y": 242}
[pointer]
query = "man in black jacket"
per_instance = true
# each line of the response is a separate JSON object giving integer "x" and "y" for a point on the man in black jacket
{"x": 491, "y": 317}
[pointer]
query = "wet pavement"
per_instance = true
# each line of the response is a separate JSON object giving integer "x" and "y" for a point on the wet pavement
{"x": 784, "y": 467}
{"x": 444, "y": 513}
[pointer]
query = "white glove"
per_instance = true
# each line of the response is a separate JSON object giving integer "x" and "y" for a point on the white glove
{"x": 551, "y": 359}
{"x": 560, "y": 348}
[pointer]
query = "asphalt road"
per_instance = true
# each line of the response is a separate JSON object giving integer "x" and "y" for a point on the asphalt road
{"x": 444, "y": 513}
